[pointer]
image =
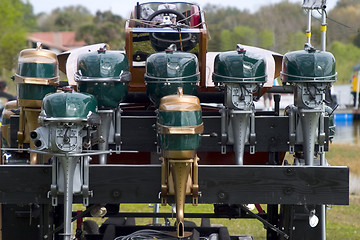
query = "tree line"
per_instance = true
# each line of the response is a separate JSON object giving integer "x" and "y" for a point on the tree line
{"x": 278, "y": 27}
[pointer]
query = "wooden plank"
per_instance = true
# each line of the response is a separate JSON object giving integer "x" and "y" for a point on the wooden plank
{"x": 24, "y": 183}
{"x": 218, "y": 184}
{"x": 272, "y": 133}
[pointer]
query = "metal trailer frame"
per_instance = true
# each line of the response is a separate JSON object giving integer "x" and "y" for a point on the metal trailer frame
{"x": 24, "y": 188}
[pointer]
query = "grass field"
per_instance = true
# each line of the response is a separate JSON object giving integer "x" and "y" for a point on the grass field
{"x": 343, "y": 222}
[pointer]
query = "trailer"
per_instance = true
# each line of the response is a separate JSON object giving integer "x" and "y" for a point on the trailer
{"x": 154, "y": 125}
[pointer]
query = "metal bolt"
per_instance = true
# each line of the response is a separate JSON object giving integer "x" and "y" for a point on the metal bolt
{"x": 221, "y": 195}
{"x": 288, "y": 190}
{"x": 116, "y": 194}
{"x": 289, "y": 171}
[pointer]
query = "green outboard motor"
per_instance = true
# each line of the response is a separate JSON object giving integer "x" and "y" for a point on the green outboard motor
{"x": 166, "y": 71}
{"x": 66, "y": 121}
{"x": 240, "y": 73}
{"x": 311, "y": 72}
{"x": 105, "y": 75}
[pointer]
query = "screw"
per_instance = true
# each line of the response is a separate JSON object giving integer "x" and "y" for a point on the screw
{"x": 116, "y": 194}
{"x": 221, "y": 195}
{"x": 288, "y": 190}
{"x": 289, "y": 171}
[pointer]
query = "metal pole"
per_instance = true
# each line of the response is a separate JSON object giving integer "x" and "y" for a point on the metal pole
{"x": 308, "y": 30}
{"x": 323, "y": 30}
{"x": 118, "y": 112}
{"x": 322, "y": 156}
{"x": 156, "y": 209}
{"x": 323, "y": 207}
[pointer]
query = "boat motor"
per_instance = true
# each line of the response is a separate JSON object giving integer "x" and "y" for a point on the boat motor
{"x": 36, "y": 76}
{"x": 311, "y": 72}
{"x": 179, "y": 125}
{"x": 67, "y": 121}
{"x": 105, "y": 74}
{"x": 169, "y": 76}
{"x": 240, "y": 74}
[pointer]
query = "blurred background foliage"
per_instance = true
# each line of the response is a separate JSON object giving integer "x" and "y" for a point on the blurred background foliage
{"x": 277, "y": 27}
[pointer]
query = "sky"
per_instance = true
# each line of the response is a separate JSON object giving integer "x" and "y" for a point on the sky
{"x": 124, "y": 7}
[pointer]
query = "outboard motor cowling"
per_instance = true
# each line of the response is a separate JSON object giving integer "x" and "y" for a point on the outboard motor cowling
{"x": 105, "y": 75}
{"x": 166, "y": 71}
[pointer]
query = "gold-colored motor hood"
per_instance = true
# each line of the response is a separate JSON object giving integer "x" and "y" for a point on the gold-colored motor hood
{"x": 180, "y": 102}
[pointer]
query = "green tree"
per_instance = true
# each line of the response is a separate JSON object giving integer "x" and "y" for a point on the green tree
{"x": 265, "y": 39}
{"x": 356, "y": 40}
{"x": 343, "y": 23}
{"x": 30, "y": 19}
{"x": 295, "y": 41}
{"x": 64, "y": 19}
{"x": 245, "y": 35}
{"x": 219, "y": 19}
{"x": 13, "y": 32}
{"x": 105, "y": 27}
{"x": 272, "y": 25}
{"x": 346, "y": 3}
{"x": 227, "y": 18}
{"x": 346, "y": 55}
{"x": 283, "y": 19}
{"x": 227, "y": 41}
{"x": 214, "y": 41}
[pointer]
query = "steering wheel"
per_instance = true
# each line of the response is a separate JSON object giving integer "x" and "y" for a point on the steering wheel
{"x": 179, "y": 15}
